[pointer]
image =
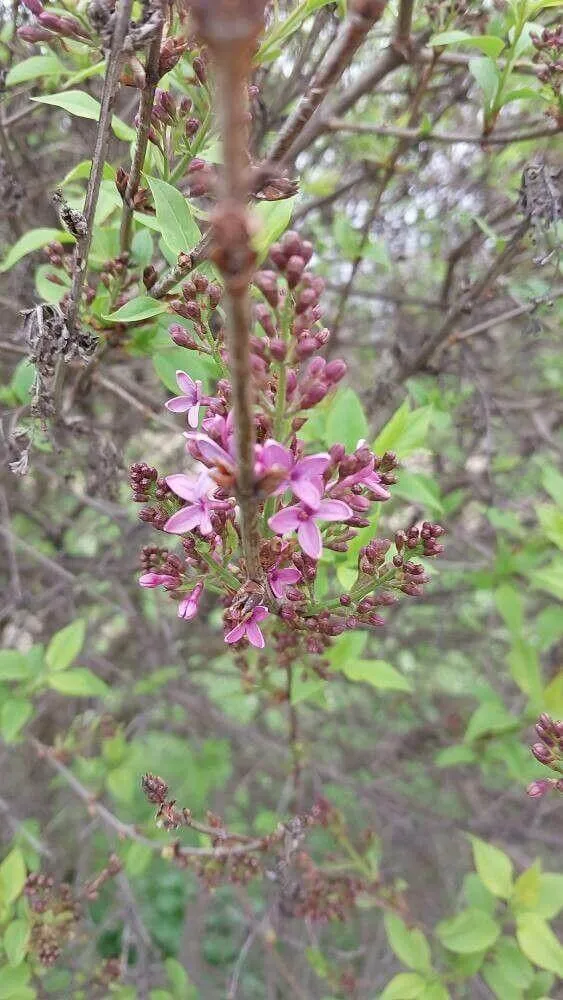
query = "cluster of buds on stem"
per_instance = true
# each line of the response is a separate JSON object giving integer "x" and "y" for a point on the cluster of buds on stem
{"x": 549, "y": 751}
{"x": 549, "y": 61}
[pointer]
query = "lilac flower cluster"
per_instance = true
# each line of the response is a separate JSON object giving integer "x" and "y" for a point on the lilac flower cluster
{"x": 549, "y": 751}
{"x": 308, "y": 504}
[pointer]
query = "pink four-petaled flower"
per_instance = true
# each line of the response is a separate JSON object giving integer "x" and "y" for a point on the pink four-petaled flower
{"x": 250, "y": 628}
{"x": 191, "y": 399}
{"x": 302, "y": 517}
{"x": 302, "y": 475}
{"x": 281, "y": 580}
{"x": 189, "y": 604}
{"x": 197, "y": 514}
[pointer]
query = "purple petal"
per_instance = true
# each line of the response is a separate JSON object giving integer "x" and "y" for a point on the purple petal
{"x": 311, "y": 465}
{"x": 333, "y": 510}
{"x": 193, "y": 415}
{"x": 205, "y": 525}
{"x": 260, "y": 612}
{"x": 255, "y": 636}
{"x": 276, "y": 586}
{"x": 183, "y": 486}
{"x": 213, "y": 452}
{"x": 286, "y": 519}
{"x": 184, "y": 520}
{"x": 275, "y": 455}
{"x": 236, "y": 633}
{"x": 289, "y": 575}
{"x": 179, "y": 404}
{"x": 157, "y": 580}
{"x": 187, "y": 608}
{"x": 310, "y": 539}
{"x": 373, "y": 483}
{"x": 187, "y": 385}
{"x": 309, "y": 491}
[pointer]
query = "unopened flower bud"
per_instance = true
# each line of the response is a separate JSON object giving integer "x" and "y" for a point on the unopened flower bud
{"x": 191, "y": 128}
{"x": 313, "y": 395}
{"x": 335, "y": 370}
{"x": 264, "y": 317}
{"x": 294, "y": 269}
{"x": 33, "y": 33}
{"x": 538, "y": 788}
{"x": 278, "y": 349}
{"x": 306, "y": 346}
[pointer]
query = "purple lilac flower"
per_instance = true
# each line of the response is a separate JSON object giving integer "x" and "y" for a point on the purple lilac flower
{"x": 303, "y": 475}
{"x": 281, "y": 579}
{"x": 366, "y": 476}
{"x": 190, "y": 402}
{"x": 158, "y": 580}
{"x": 188, "y": 606}
{"x": 211, "y": 453}
{"x": 197, "y": 514}
{"x": 250, "y": 628}
{"x": 302, "y": 518}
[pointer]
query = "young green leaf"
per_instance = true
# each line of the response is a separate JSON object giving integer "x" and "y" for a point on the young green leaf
{"x": 490, "y": 717}
{"x": 141, "y": 307}
{"x": 405, "y": 986}
{"x": 15, "y": 941}
{"x": 34, "y": 239}
{"x": 83, "y": 105}
{"x": 14, "y": 714}
{"x": 65, "y": 646}
{"x": 79, "y": 683}
{"x": 13, "y": 874}
{"x": 346, "y": 421}
{"x": 378, "y": 673}
{"x": 469, "y": 931}
{"x": 13, "y": 666}
{"x": 539, "y": 943}
{"x": 409, "y": 944}
{"x": 494, "y": 867}
{"x": 272, "y": 218}
{"x": 32, "y": 68}
{"x": 177, "y": 225}
{"x": 485, "y": 72}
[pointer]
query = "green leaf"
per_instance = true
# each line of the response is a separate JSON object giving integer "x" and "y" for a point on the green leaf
{"x": 16, "y": 939}
{"x": 550, "y": 902}
{"x": 65, "y": 646}
{"x": 550, "y": 579}
{"x": 346, "y": 648}
{"x": 419, "y": 489}
{"x": 477, "y": 895}
{"x": 495, "y": 977}
{"x": 494, "y": 867}
{"x": 551, "y": 520}
{"x": 526, "y": 893}
{"x": 13, "y": 666}
{"x": 13, "y": 983}
{"x": 485, "y": 72}
{"x": 435, "y": 991}
{"x": 13, "y": 874}
{"x": 347, "y": 422}
{"x": 34, "y": 239}
{"x": 13, "y": 717}
{"x": 539, "y": 943}
{"x": 489, "y": 44}
{"x": 177, "y": 225}
{"x": 83, "y": 105}
{"x": 469, "y": 931}
{"x": 509, "y": 606}
{"x": 172, "y": 359}
{"x": 409, "y": 944}
{"x": 452, "y": 756}
{"x": 35, "y": 66}
{"x": 178, "y": 977}
{"x": 516, "y": 967}
{"x": 22, "y": 380}
{"x": 552, "y": 482}
{"x": 525, "y": 668}
{"x": 390, "y": 436}
{"x": 405, "y": 986}
{"x": 272, "y": 218}
{"x": 489, "y": 719}
{"x": 378, "y": 673}
{"x": 139, "y": 857}
{"x": 79, "y": 683}
{"x": 141, "y": 307}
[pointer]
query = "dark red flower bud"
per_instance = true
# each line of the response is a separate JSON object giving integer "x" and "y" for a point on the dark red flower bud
{"x": 278, "y": 349}
{"x": 32, "y": 33}
{"x": 294, "y": 269}
{"x": 335, "y": 370}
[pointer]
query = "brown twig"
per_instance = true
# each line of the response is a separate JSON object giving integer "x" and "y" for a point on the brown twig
{"x": 190, "y": 261}
{"x": 465, "y": 304}
{"x": 145, "y": 109}
{"x": 111, "y": 82}
{"x": 450, "y": 138}
{"x": 363, "y": 14}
